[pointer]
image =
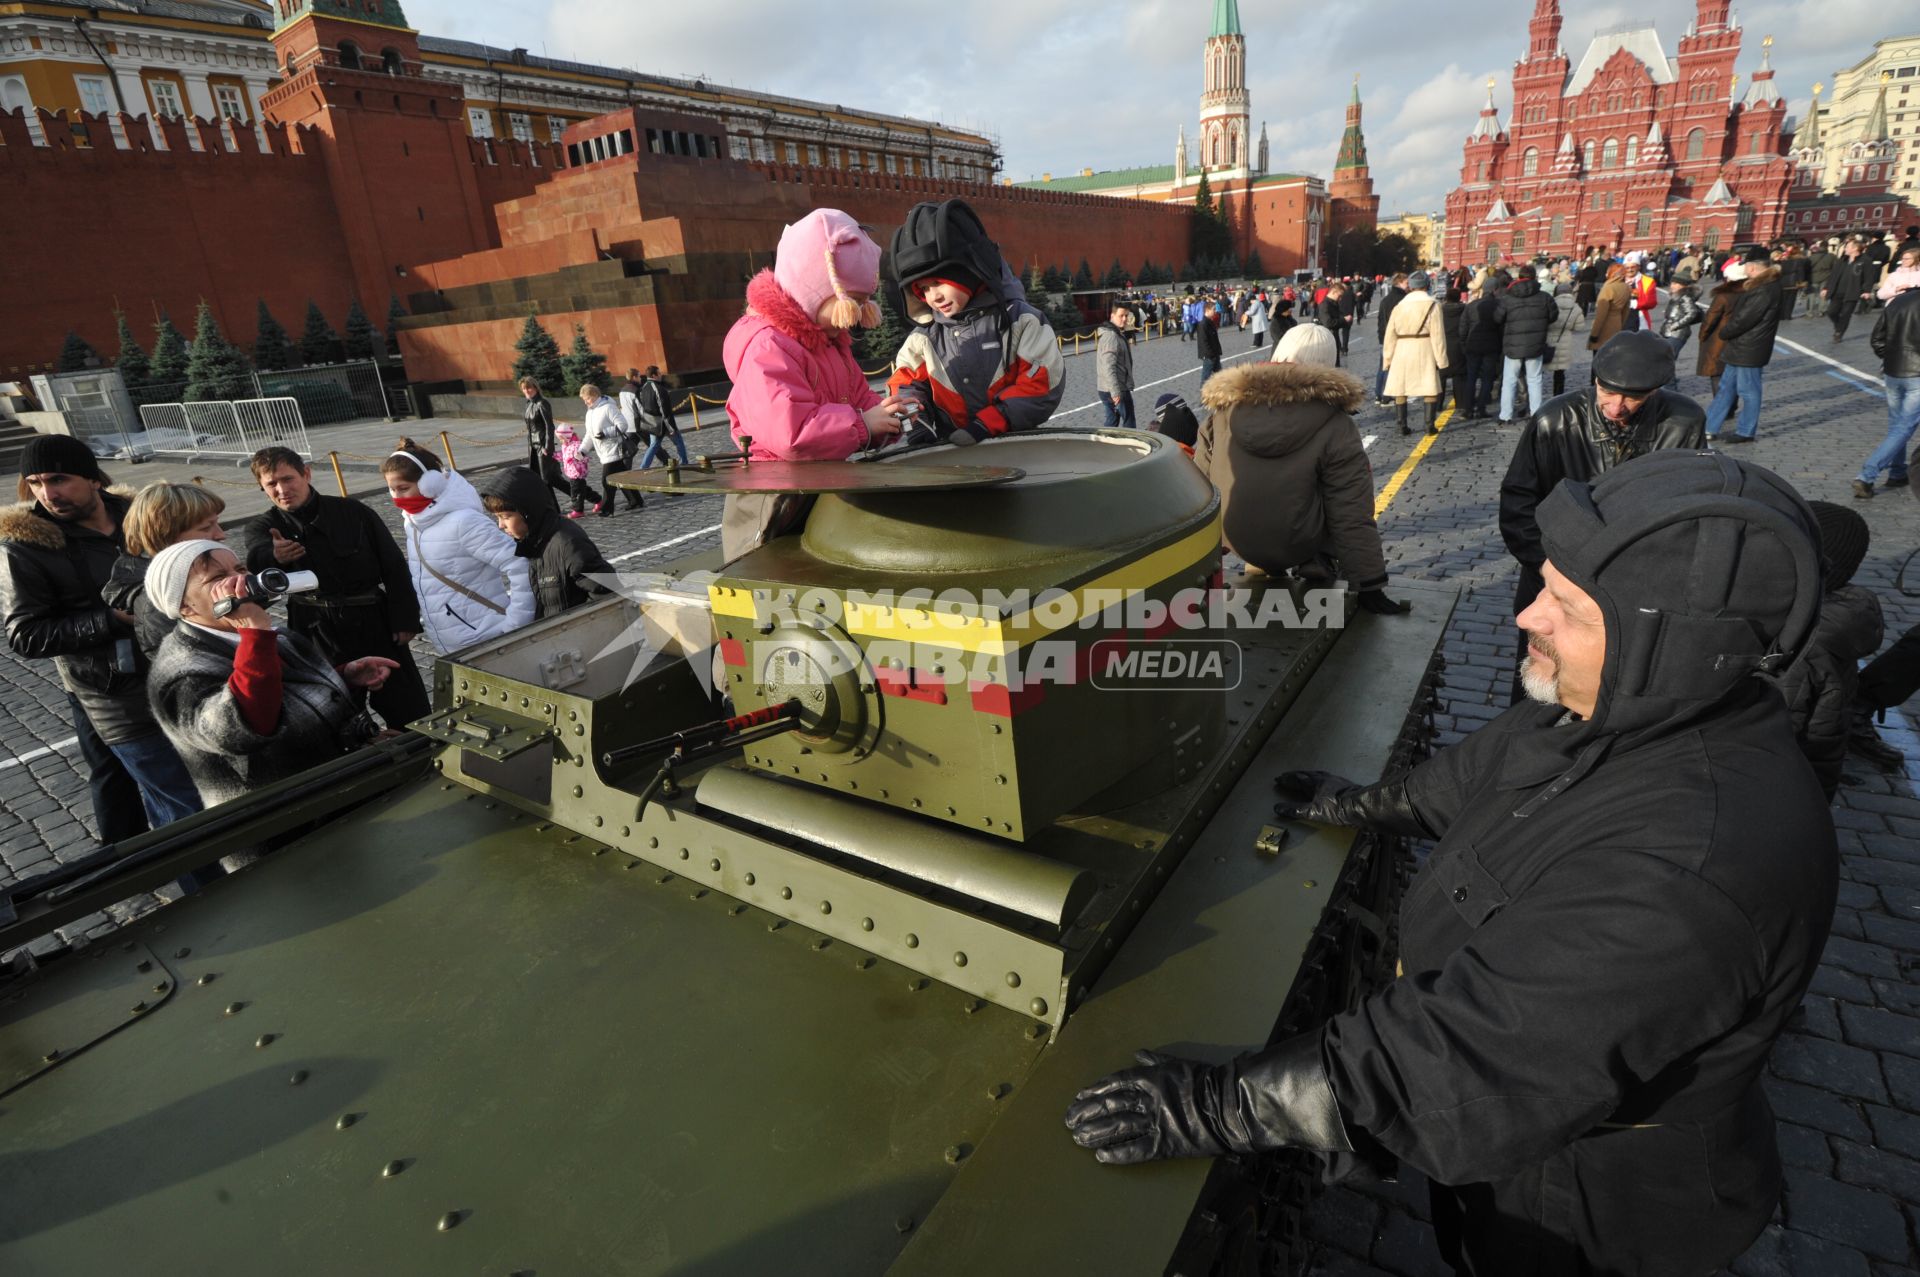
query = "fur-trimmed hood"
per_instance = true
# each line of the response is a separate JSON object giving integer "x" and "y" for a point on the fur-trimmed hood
{"x": 1274, "y": 409}
{"x": 771, "y": 303}
{"x": 1759, "y": 277}
{"x": 1270, "y": 385}
{"x": 25, "y": 523}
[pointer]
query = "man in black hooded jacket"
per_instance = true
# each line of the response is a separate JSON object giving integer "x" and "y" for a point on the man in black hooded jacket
{"x": 563, "y": 557}
{"x": 1631, "y": 889}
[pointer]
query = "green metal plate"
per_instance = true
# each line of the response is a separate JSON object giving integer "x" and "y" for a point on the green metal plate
{"x": 814, "y": 476}
{"x": 1204, "y": 974}
{"x": 106, "y": 991}
{"x": 581, "y": 1063}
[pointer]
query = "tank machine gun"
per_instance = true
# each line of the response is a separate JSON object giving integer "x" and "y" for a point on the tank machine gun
{"x": 979, "y": 889}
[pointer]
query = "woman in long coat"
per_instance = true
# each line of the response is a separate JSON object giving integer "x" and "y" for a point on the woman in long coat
{"x": 1711, "y": 342}
{"x": 1610, "y": 308}
{"x": 1415, "y": 350}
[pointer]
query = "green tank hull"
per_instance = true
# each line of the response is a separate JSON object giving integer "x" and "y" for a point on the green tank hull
{"x": 482, "y": 1014}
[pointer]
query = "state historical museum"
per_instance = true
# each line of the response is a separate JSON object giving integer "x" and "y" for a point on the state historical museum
{"x": 1629, "y": 148}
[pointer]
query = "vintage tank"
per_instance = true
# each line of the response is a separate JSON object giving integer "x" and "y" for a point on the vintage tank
{"x": 580, "y": 977}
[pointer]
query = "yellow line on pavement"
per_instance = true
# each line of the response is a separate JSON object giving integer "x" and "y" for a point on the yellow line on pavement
{"x": 1385, "y": 499}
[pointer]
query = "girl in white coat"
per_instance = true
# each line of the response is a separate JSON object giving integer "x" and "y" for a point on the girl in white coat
{"x": 472, "y": 586}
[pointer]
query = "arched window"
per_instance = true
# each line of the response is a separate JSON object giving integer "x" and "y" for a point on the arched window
{"x": 390, "y": 62}
{"x": 1683, "y": 230}
{"x": 1643, "y": 223}
{"x": 1530, "y": 162}
{"x": 1482, "y": 171}
{"x": 1473, "y": 236}
{"x": 1586, "y": 153}
{"x": 1697, "y": 144}
{"x": 350, "y": 55}
{"x": 1519, "y": 241}
{"x": 1558, "y": 230}
{"x": 1633, "y": 151}
{"x": 1610, "y": 154}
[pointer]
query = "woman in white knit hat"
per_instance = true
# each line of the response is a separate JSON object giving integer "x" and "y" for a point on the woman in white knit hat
{"x": 1296, "y": 490}
{"x": 243, "y": 703}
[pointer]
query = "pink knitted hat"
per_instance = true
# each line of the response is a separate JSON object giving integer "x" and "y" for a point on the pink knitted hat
{"x": 824, "y": 256}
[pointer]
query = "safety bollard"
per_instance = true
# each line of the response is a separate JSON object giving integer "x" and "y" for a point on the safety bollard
{"x": 446, "y": 446}
{"x": 338, "y": 477}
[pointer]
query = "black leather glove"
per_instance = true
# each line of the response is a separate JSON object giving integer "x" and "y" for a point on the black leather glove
{"x": 1173, "y": 1107}
{"x": 1327, "y": 799}
{"x": 1377, "y": 602}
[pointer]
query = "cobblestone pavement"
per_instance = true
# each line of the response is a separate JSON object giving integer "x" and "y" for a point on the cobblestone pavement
{"x": 1846, "y": 1078}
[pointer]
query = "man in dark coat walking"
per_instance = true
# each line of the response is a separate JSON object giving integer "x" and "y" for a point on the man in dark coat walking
{"x": 1846, "y": 288}
{"x": 1746, "y": 337}
{"x": 1633, "y": 882}
{"x": 365, "y": 605}
{"x": 1480, "y": 339}
{"x": 1524, "y": 313}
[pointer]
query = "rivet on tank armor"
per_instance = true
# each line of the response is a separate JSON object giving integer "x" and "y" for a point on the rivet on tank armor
{"x": 234, "y": 1008}
{"x": 1038, "y": 1006}
{"x": 1013, "y": 979}
{"x": 264, "y": 1040}
{"x": 206, "y": 979}
{"x": 913, "y": 941}
{"x": 299, "y": 1076}
{"x": 392, "y": 1168}
{"x": 449, "y": 1221}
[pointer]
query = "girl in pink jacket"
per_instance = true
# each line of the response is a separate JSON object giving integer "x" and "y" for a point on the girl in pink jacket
{"x": 797, "y": 391}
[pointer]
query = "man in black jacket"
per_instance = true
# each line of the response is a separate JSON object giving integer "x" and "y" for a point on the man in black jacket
{"x": 56, "y": 553}
{"x": 1896, "y": 340}
{"x": 1207, "y": 337}
{"x": 1480, "y": 338}
{"x": 1627, "y": 413}
{"x": 1524, "y": 314}
{"x": 1746, "y": 337}
{"x": 1795, "y": 272}
{"x": 365, "y": 605}
{"x": 1846, "y": 288}
{"x": 1633, "y": 882}
{"x": 1388, "y": 301}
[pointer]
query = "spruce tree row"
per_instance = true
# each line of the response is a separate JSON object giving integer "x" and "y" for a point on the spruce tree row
{"x": 214, "y": 368}
{"x": 539, "y": 357}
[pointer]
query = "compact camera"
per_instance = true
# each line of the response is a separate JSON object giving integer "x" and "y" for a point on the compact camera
{"x": 264, "y": 587}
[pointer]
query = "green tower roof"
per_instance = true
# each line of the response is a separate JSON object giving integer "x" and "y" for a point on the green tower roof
{"x": 1226, "y": 17}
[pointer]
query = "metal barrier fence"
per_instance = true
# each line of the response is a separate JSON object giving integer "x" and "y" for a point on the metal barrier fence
{"x": 218, "y": 428}
{"x": 330, "y": 392}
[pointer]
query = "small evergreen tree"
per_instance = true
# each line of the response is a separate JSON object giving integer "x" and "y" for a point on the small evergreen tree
{"x": 131, "y": 361}
{"x": 1116, "y": 276}
{"x": 539, "y": 357}
{"x": 357, "y": 338}
{"x": 395, "y": 313}
{"x": 1083, "y": 278}
{"x": 319, "y": 344}
{"x": 879, "y": 344}
{"x": 272, "y": 348}
{"x": 1036, "y": 283}
{"x": 1064, "y": 317}
{"x": 582, "y": 364}
{"x": 1054, "y": 279}
{"x": 75, "y": 354}
{"x": 1147, "y": 274}
{"x": 169, "y": 362}
{"x": 1255, "y": 268}
{"x": 215, "y": 367}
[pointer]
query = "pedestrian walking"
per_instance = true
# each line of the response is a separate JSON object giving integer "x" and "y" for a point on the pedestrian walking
{"x": 1415, "y": 351}
{"x": 1820, "y": 264}
{"x": 654, "y": 402}
{"x": 1388, "y": 301}
{"x": 1113, "y": 367}
{"x": 1682, "y": 314}
{"x": 541, "y": 444}
{"x": 614, "y": 441}
{"x": 1847, "y": 287}
{"x": 1207, "y": 335}
{"x": 1611, "y": 308}
{"x": 1896, "y": 340}
{"x": 1336, "y": 315}
{"x": 1564, "y": 336}
{"x": 1746, "y": 337}
{"x": 1795, "y": 272}
{"x": 1525, "y": 315}
{"x": 1481, "y": 341}
{"x": 1719, "y": 305}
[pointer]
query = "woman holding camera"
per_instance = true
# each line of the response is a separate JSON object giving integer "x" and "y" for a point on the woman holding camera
{"x": 243, "y": 703}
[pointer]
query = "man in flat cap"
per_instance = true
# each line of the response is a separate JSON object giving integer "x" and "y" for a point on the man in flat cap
{"x": 1581, "y": 435}
{"x": 1633, "y": 878}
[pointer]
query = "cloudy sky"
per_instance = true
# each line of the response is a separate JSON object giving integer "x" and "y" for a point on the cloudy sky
{"x": 1072, "y": 84}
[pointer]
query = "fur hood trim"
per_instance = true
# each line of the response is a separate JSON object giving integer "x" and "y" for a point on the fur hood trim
{"x": 1759, "y": 278}
{"x": 772, "y": 303}
{"x": 21, "y": 524}
{"x": 1272, "y": 385}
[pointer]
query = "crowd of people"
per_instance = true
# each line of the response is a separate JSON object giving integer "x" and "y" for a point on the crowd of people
{"x": 1635, "y": 868}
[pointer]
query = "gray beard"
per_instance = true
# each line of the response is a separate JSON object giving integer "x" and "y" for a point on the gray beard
{"x": 1539, "y": 687}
